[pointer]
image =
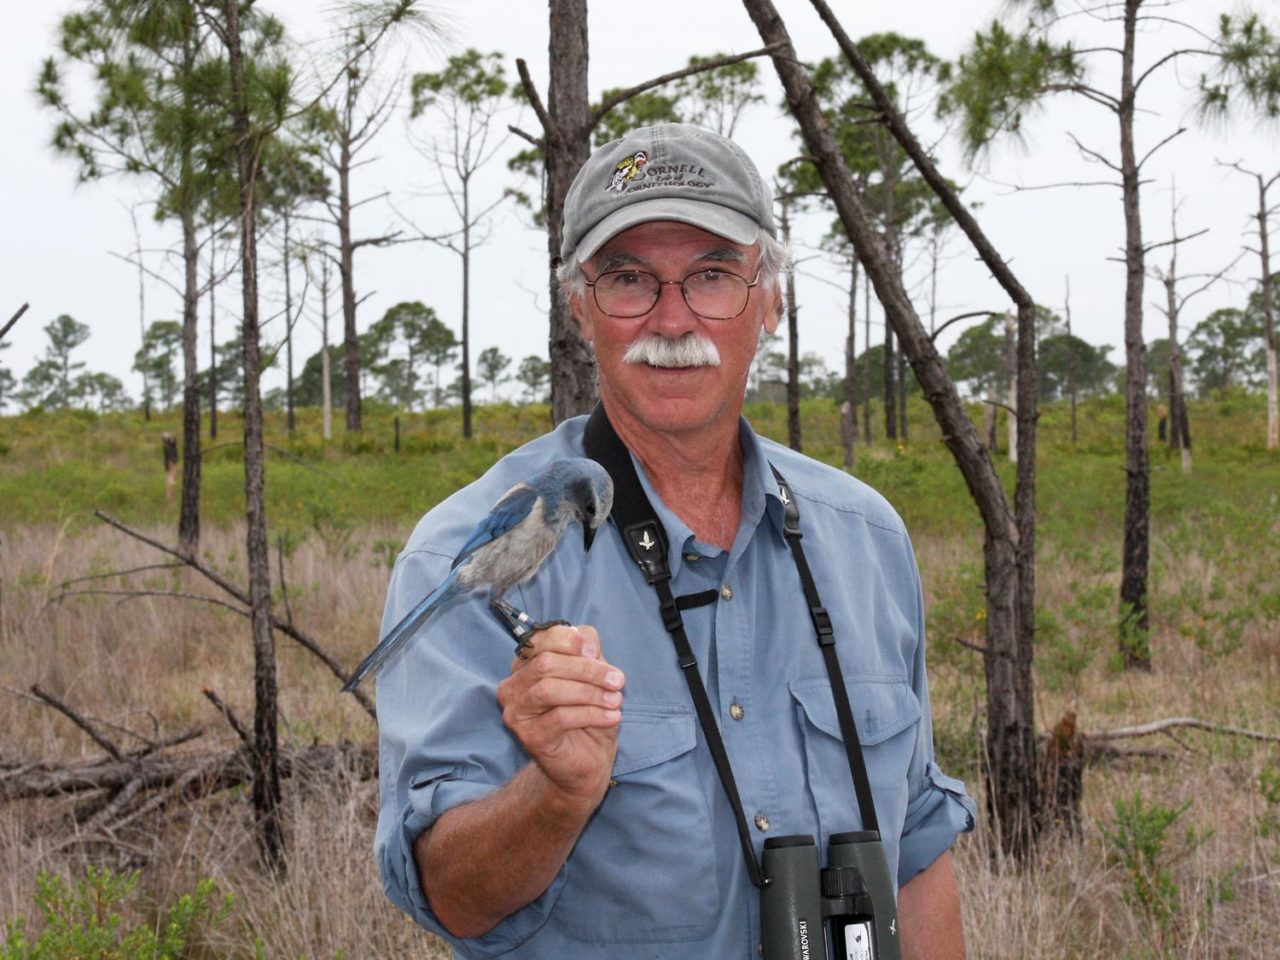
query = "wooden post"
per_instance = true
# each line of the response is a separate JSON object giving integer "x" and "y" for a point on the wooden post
{"x": 397, "y": 423}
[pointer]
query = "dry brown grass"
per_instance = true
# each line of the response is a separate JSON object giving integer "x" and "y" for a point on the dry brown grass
{"x": 142, "y": 663}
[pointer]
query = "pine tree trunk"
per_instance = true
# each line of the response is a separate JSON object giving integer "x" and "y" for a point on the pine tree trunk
{"x": 326, "y": 379}
{"x": 866, "y": 352}
{"x": 266, "y": 773}
{"x": 793, "y": 341}
{"x": 1011, "y": 377}
{"x": 1134, "y": 618}
{"x": 213, "y": 346}
{"x": 290, "y": 421}
{"x": 1009, "y": 541}
{"x": 189, "y": 509}
{"x": 890, "y": 393}
{"x": 466, "y": 312}
{"x": 573, "y": 369}
{"x": 1179, "y": 428}
{"x": 849, "y": 415}
{"x": 346, "y": 269}
{"x": 1269, "y": 318}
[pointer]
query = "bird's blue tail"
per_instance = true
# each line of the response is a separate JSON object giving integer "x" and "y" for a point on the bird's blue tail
{"x": 400, "y": 634}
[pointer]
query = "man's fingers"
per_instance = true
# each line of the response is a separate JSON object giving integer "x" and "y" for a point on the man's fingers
{"x": 597, "y": 675}
{"x": 580, "y": 641}
{"x": 551, "y": 726}
{"x": 554, "y": 692}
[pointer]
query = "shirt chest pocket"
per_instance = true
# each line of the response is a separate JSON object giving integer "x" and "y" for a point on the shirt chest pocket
{"x": 886, "y": 714}
{"x": 643, "y": 869}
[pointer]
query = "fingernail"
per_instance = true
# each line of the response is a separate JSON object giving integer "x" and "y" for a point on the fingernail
{"x": 613, "y": 679}
{"x": 612, "y": 699}
{"x": 590, "y": 650}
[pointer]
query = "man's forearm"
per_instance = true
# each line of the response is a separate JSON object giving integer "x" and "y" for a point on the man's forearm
{"x": 929, "y": 914}
{"x": 482, "y": 861}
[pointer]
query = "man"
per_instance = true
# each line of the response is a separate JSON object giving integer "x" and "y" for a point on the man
{"x": 566, "y": 805}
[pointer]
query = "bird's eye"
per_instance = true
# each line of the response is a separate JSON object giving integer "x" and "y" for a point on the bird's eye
{"x": 591, "y": 509}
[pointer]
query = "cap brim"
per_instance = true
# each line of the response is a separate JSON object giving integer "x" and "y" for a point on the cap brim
{"x": 712, "y": 217}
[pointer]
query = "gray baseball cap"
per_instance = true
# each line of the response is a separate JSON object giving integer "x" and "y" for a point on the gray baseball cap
{"x": 670, "y": 171}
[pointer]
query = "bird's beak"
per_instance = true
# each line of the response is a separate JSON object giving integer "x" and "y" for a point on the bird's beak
{"x": 588, "y": 535}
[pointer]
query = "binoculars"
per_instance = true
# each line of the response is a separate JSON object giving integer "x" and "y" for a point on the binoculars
{"x": 844, "y": 911}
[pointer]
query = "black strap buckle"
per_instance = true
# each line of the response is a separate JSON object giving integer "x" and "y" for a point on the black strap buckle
{"x": 647, "y": 545}
{"x": 822, "y": 623}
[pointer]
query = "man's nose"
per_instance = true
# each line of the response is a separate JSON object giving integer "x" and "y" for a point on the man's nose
{"x": 670, "y": 315}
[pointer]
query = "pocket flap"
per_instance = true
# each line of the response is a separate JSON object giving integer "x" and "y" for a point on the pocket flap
{"x": 652, "y": 733}
{"x": 882, "y": 706}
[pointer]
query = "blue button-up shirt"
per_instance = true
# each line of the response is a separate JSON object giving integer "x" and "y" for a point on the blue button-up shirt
{"x": 658, "y": 870}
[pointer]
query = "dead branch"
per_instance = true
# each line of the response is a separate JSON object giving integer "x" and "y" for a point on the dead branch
{"x": 621, "y": 96}
{"x": 1174, "y": 723}
{"x": 229, "y": 715}
{"x": 80, "y": 721}
{"x": 122, "y": 573}
{"x": 14, "y": 319}
{"x": 288, "y": 629}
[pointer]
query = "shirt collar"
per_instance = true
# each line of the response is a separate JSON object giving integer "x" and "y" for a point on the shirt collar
{"x": 760, "y": 496}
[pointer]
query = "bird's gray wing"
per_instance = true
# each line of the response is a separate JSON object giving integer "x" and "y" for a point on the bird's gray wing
{"x": 514, "y": 506}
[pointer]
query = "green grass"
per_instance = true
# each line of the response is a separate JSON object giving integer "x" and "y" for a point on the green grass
{"x": 57, "y": 468}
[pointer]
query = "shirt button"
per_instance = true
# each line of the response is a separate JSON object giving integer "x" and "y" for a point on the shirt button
{"x": 727, "y": 592}
{"x": 736, "y": 711}
{"x": 762, "y": 823}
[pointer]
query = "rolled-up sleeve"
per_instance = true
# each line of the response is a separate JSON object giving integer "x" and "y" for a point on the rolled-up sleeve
{"x": 442, "y": 742}
{"x": 938, "y": 807}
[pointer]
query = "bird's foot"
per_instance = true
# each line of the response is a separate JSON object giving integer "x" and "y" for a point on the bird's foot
{"x": 520, "y": 625}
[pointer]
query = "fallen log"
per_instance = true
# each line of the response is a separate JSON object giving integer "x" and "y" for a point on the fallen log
{"x": 140, "y": 774}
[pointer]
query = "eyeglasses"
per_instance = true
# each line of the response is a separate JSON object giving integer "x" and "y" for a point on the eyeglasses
{"x": 711, "y": 294}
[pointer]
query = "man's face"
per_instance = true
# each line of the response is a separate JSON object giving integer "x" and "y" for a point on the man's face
{"x": 682, "y": 399}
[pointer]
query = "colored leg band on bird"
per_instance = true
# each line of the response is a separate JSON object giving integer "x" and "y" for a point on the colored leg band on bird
{"x": 519, "y": 624}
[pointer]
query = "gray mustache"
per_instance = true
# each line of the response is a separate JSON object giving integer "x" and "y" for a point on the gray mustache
{"x": 689, "y": 350}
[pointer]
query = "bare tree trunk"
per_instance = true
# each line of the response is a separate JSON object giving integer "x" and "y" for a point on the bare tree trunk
{"x": 1071, "y": 362}
{"x": 890, "y": 391}
{"x": 189, "y": 509}
{"x": 266, "y": 754}
{"x": 866, "y": 352}
{"x": 849, "y": 410}
{"x": 1179, "y": 428}
{"x": 793, "y": 337}
{"x": 142, "y": 311}
{"x": 902, "y": 393}
{"x": 1134, "y": 622}
{"x": 213, "y": 346}
{"x": 1009, "y": 541}
{"x": 346, "y": 270}
{"x": 326, "y": 380}
{"x": 466, "y": 311}
{"x": 567, "y": 146}
{"x": 1268, "y": 316}
{"x": 290, "y": 420}
{"x": 989, "y": 421}
{"x": 1011, "y": 377}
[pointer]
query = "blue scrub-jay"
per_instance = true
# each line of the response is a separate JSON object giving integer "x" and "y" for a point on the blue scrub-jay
{"x": 507, "y": 547}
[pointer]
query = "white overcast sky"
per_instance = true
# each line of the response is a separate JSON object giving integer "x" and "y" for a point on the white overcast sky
{"x": 56, "y": 246}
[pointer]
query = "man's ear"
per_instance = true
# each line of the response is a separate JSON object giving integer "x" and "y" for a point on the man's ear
{"x": 773, "y": 310}
{"x": 582, "y": 316}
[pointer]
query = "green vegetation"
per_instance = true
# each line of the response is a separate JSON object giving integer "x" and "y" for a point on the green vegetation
{"x": 84, "y": 921}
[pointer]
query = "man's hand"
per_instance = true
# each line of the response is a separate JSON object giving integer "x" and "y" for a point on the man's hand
{"x": 563, "y": 702}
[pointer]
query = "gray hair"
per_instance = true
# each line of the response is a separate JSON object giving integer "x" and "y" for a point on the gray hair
{"x": 774, "y": 259}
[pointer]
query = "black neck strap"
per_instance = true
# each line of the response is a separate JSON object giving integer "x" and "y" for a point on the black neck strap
{"x": 646, "y": 541}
